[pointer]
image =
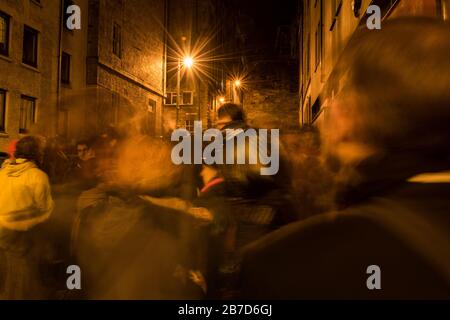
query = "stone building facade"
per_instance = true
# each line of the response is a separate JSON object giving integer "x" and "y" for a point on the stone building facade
{"x": 75, "y": 83}
{"x": 325, "y": 28}
{"x": 195, "y": 32}
{"x": 28, "y": 68}
{"x": 126, "y": 63}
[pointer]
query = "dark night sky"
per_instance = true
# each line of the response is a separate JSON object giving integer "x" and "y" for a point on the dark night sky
{"x": 267, "y": 15}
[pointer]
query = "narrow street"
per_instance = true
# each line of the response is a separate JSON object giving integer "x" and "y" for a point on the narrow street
{"x": 224, "y": 150}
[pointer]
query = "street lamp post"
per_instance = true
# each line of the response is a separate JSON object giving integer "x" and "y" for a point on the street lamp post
{"x": 178, "y": 91}
{"x": 187, "y": 62}
{"x": 236, "y": 96}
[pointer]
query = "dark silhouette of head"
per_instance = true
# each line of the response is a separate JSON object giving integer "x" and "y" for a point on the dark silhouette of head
{"x": 28, "y": 148}
{"x": 392, "y": 113}
{"x": 230, "y": 112}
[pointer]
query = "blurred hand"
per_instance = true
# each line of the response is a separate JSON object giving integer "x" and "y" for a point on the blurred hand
{"x": 201, "y": 213}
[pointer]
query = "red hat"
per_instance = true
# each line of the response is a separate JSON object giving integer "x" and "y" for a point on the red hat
{"x": 12, "y": 148}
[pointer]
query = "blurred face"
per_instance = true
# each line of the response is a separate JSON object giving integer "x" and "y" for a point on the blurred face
{"x": 84, "y": 152}
{"x": 222, "y": 122}
{"x": 343, "y": 136}
{"x": 207, "y": 174}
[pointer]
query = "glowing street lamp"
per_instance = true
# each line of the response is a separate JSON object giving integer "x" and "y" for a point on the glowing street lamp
{"x": 221, "y": 99}
{"x": 236, "y": 88}
{"x": 188, "y": 62}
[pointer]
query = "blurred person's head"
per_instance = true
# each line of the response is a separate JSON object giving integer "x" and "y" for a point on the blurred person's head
{"x": 395, "y": 106}
{"x": 111, "y": 136}
{"x": 29, "y": 148}
{"x": 209, "y": 173}
{"x": 142, "y": 164}
{"x": 60, "y": 143}
{"x": 84, "y": 150}
{"x": 228, "y": 113}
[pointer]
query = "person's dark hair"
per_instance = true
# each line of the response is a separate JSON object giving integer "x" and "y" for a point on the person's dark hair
{"x": 402, "y": 76}
{"x": 393, "y": 104}
{"x": 28, "y": 148}
{"x": 234, "y": 111}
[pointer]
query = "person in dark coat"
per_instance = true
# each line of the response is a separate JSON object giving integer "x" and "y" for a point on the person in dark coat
{"x": 246, "y": 182}
{"x": 127, "y": 247}
{"x": 389, "y": 135}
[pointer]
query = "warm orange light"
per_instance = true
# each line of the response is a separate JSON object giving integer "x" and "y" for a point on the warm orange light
{"x": 237, "y": 83}
{"x": 221, "y": 99}
{"x": 188, "y": 62}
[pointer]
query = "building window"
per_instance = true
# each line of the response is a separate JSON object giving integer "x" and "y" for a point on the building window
{"x": 30, "y": 46}
{"x": 189, "y": 122}
{"x": 318, "y": 45}
{"x": 171, "y": 98}
{"x": 27, "y": 113}
{"x": 117, "y": 40}
{"x": 315, "y": 109}
{"x": 4, "y": 33}
{"x": 65, "y": 68}
{"x": 151, "y": 105}
{"x": 2, "y": 110}
{"x": 188, "y": 98}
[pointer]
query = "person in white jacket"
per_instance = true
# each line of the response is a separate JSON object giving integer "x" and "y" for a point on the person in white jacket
{"x": 25, "y": 204}
{"x": 25, "y": 196}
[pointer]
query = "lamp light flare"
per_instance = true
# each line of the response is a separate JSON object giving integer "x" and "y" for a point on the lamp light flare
{"x": 237, "y": 83}
{"x": 221, "y": 99}
{"x": 188, "y": 62}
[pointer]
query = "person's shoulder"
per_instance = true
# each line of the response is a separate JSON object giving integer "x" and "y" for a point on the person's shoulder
{"x": 38, "y": 175}
{"x": 337, "y": 228}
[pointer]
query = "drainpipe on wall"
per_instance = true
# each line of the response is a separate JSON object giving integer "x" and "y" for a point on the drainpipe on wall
{"x": 164, "y": 75}
{"x": 58, "y": 82}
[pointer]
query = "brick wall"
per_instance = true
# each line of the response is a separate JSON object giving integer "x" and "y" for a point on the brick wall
{"x": 271, "y": 108}
{"x": 19, "y": 79}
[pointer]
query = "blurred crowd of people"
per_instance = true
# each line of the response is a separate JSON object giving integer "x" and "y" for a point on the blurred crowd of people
{"x": 370, "y": 188}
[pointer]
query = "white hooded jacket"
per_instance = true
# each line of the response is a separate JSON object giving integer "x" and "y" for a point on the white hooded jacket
{"x": 25, "y": 196}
